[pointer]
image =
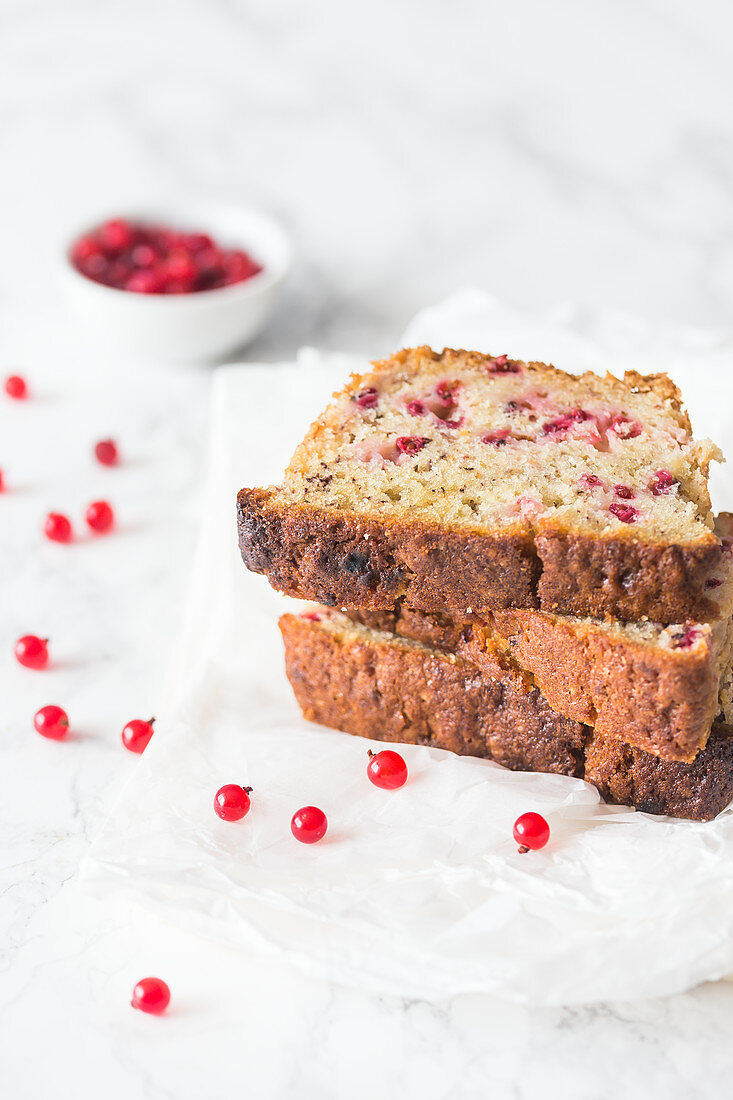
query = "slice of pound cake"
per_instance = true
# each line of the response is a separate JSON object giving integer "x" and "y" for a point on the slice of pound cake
{"x": 376, "y": 685}
{"x": 465, "y": 483}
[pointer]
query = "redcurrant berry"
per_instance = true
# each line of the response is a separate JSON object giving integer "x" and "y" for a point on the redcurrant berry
{"x": 57, "y": 528}
{"x": 309, "y": 825}
{"x": 145, "y": 281}
{"x": 137, "y": 734}
{"x": 16, "y": 387}
{"x": 387, "y": 769}
{"x": 151, "y": 995}
{"x": 2, "y": 482}
{"x": 52, "y": 722}
{"x": 531, "y": 831}
{"x": 99, "y": 516}
{"x": 232, "y": 802}
{"x": 106, "y": 452}
{"x": 31, "y": 651}
{"x": 115, "y": 235}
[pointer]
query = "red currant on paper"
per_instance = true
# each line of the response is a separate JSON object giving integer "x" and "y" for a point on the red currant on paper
{"x": 57, "y": 528}
{"x": 32, "y": 652}
{"x": 137, "y": 734}
{"x": 387, "y": 769}
{"x": 99, "y": 516}
{"x": 51, "y": 722}
{"x": 16, "y": 387}
{"x": 232, "y": 802}
{"x": 531, "y": 831}
{"x": 106, "y": 452}
{"x": 309, "y": 825}
{"x": 151, "y": 995}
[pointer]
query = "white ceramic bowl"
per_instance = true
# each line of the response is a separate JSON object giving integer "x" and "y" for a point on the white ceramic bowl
{"x": 202, "y": 326}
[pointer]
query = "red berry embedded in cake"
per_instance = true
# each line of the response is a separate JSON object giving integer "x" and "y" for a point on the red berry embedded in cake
{"x": 663, "y": 482}
{"x": 151, "y": 995}
{"x": 367, "y": 399}
{"x": 531, "y": 832}
{"x": 498, "y": 439}
{"x": 16, "y": 387}
{"x": 415, "y": 408}
{"x": 57, "y": 527}
{"x": 51, "y": 722}
{"x": 137, "y": 733}
{"x": 686, "y": 637}
{"x": 232, "y": 802}
{"x": 99, "y": 516}
{"x": 446, "y": 391}
{"x": 624, "y": 427}
{"x": 31, "y": 651}
{"x": 502, "y": 364}
{"x": 625, "y": 512}
{"x": 309, "y": 825}
{"x": 590, "y": 481}
{"x": 387, "y": 769}
{"x": 624, "y": 492}
{"x": 565, "y": 423}
{"x": 410, "y": 444}
{"x": 106, "y": 452}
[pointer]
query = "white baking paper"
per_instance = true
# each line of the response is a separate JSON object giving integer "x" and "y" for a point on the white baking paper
{"x": 419, "y": 892}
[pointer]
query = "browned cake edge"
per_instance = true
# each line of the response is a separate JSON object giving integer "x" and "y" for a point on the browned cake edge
{"x": 660, "y": 700}
{"x": 375, "y": 687}
{"x": 657, "y": 699}
{"x": 342, "y": 559}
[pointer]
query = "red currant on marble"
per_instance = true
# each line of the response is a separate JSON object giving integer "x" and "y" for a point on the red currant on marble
{"x": 232, "y": 802}
{"x": 387, "y": 769}
{"x": 106, "y": 452}
{"x": 31, "y": 651}
{"x": 51, "y": 722}
{"x": 99, "y": 516}
{"x": 309, "y": 825}
{"x": 2, "y": 482}
{"x": 136, "y": 734}
{"x": 151, "y": 995}
{"x": 57, "y": 528}
{"x": 531, "y": 831}
{"x": 16, "y": 387}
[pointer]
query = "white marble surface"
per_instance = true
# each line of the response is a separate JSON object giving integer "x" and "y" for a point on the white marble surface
{"x": 543, "y": 151}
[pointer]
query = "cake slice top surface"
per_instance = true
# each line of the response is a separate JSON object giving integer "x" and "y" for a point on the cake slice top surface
{"x": 481, "y": 442}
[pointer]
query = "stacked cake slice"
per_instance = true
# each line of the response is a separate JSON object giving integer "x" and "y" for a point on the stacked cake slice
{"x": 527, "y": 568}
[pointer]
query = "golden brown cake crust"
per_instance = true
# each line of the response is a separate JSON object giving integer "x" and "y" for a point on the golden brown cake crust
{"x": 342, "y": 559}
{"x": 396, "y": 692}
{"x": 658, "y": 699}
{"x": 345, "y": 560}
{"x": 375, "y": 687}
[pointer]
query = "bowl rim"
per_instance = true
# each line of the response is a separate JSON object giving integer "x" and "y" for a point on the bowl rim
{"x": 273, "y": 271}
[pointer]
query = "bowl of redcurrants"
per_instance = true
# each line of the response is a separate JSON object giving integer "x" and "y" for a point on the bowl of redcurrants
{"x": 192, "y": 284}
